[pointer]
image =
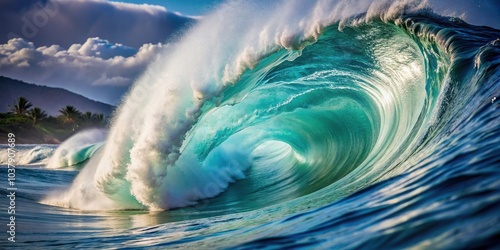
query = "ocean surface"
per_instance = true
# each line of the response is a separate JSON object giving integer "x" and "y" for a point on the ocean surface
{"x": 305, "y": 125}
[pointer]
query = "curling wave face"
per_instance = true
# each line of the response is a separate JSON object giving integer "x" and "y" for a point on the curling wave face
{"x": 281, "y": 113}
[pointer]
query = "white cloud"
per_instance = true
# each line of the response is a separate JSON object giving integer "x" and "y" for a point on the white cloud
{"x": 66, "y": 22}
{"x": 102, "y": 48}
{"x": 92, "y": 67}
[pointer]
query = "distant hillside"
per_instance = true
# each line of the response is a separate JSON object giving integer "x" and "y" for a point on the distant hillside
{"x": 47, "y": 98}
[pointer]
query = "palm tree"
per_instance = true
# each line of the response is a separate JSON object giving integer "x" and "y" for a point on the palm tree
{"x": 36, "y": 114}
{"x": 70, "y": 115}
{"x": 98, "y": 119}
{"x": 87, "y": 116}
{"x": 21, "y": 106}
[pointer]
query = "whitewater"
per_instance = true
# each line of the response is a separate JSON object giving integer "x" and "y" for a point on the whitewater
{"x": 292, "y": 124}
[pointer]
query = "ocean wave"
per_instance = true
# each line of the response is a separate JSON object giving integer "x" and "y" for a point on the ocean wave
{"x": 26, "y": 154}
{"x": 273, "y": 114}
{"x": 77, "y": 149}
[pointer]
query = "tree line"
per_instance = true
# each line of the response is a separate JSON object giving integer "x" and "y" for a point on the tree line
{"x": 69, "y": 115}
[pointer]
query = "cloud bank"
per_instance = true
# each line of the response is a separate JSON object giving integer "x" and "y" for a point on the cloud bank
{"x": 96, "y": 68}
{"x": 66, "y": 22}
{"x": 92, "y": 47}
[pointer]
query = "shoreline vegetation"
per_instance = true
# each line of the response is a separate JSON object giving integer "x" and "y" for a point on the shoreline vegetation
{"x": 31, "y": 125}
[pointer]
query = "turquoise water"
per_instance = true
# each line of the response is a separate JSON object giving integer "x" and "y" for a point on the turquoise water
{"x": 378, "y": 130}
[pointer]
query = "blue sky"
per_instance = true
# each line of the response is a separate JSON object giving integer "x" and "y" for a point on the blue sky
{"x": 188, "y": 7}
